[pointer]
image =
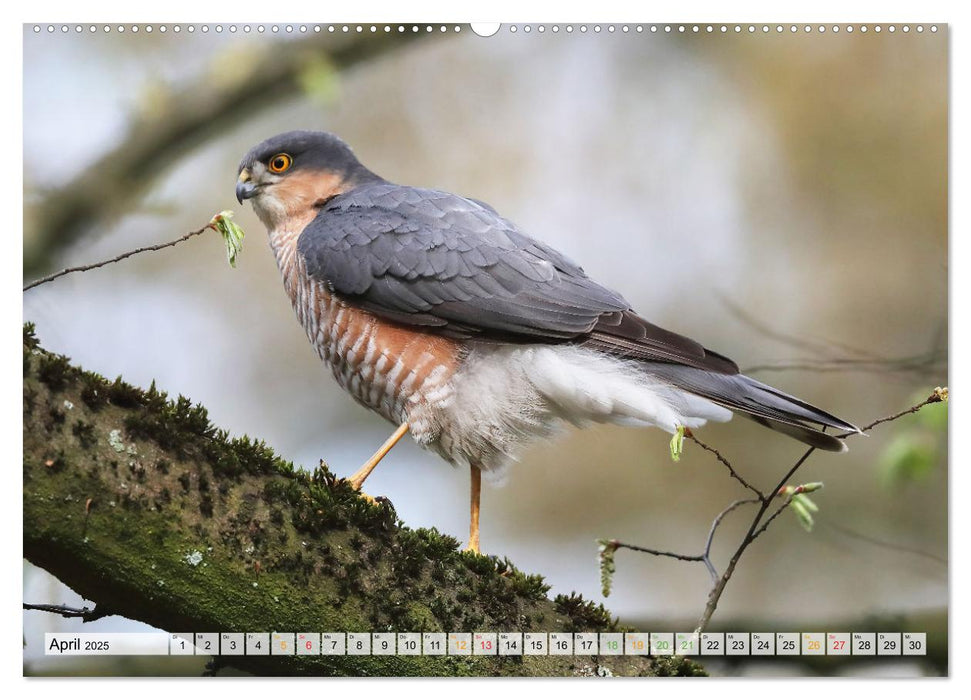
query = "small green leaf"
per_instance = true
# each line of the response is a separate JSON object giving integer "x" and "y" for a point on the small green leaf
{"x": 231, "y": 232}
{"x": 677, "y": 444}
{"x": 806, "y": 501}
{"x": 607, "y": 565}
{"x": 802, "y": 514}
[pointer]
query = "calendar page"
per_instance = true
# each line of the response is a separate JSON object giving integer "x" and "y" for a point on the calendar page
{"x": 545, "y": 349}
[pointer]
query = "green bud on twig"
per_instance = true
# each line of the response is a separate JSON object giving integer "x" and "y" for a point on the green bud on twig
{"x": 802, "y": 488}
{"x": 607, "y": 565}
{"x": 804, "y": 516}
{"x": 231, "y": 232}
{"x": 807, "y": 502}
{"x": 804, "y": 508}
{"x": 801, "y": 504}
{"x": 677, "y": 444}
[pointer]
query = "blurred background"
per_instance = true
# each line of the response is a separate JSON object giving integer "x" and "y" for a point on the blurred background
{"x": 780, "y": 197}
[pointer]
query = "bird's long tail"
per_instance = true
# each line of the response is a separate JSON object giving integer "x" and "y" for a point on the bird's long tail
{"x": 762, "y": 403}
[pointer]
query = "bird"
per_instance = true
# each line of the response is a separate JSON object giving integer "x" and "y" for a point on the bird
{"x": 442, "y": 316}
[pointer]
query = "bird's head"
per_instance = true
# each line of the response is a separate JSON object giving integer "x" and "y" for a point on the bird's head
{"x": 292, "y": 175}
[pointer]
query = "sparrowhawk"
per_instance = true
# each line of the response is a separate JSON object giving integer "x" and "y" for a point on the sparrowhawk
{"x": 442, "y": 316}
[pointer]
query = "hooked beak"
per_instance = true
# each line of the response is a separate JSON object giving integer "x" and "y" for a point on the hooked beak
{"x": 245, "y": 188}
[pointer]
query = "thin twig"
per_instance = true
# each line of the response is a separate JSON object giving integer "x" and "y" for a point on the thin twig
{"x": 714, "y": 526}
{"x": 193, "y": 111}
{"x": 863, "y": 360}
{"x": 918, "y": 364}
{"x": 657, "y": 552}
{"x": 816, "y": 346}
{"x": 146, "y": 249}
{"x": 720, "y": 458}
{"x": 760, "y": 522}
{"x": 893, "y": 546}
{"x": 86, "y": 614}
{"x": 775, "y": 514}
{"x": 938, "y": 396}
{"x": 705, "y": 557}
{"x": 716, "y": 592}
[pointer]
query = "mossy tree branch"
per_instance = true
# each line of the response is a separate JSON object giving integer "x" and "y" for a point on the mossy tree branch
{"x": 139, "y": 504}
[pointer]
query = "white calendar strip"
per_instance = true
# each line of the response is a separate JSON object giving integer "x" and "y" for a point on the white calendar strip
{"x": 488, "y": 644}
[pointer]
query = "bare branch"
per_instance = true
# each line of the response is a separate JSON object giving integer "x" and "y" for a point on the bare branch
{"x": 853, "y": 534}
{"x": 922, "y": 364}
{"x": 656, "y": 552}
{"x": 718, "y": 455}
{"x": 136, "y": 251}
{"x": 940, "y": 394}
{"x": 192, "y": 113}
{"x": 775, "y": 514}
{"x": 832, "y": 354}
{"x": 760, "y": 523}
{"x": 814, "y": 346}
{"x": 714, "y": 527}
{"x": 86, "y": 614}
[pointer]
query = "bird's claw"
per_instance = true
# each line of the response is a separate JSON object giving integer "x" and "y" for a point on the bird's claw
{"x": 369, "y": 498}
{"x": 373, "y": 500}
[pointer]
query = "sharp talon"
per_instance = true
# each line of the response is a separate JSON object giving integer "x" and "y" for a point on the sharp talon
{"x": 369, "y": 498}
{"x": 366, "y": 496}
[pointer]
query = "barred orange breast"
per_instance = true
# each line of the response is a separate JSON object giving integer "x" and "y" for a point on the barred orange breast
{"x": 401, "y": 373}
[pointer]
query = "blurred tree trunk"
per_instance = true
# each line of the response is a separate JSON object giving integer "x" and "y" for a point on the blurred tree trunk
{"x": 139, "y": 504}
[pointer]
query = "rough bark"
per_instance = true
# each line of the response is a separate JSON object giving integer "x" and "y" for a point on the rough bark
{"x": 139, "y": 504}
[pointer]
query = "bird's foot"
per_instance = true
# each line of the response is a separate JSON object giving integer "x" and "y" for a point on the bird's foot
{"x": 369, "y": 498}
{"x": 373, "y": 500}
{"x": 472, "y": 547}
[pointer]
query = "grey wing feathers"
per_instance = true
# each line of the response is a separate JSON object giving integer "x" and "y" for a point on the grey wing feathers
{"x": 762, "y": 403}
{"x": 434, "y": 259}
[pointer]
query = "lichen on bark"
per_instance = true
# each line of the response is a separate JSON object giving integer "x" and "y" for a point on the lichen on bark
{"x": 138, "y": 503}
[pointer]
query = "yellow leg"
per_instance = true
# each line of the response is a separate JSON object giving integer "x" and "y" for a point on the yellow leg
{"x": 474, "y": 514}
{"x": 357, "y": 479}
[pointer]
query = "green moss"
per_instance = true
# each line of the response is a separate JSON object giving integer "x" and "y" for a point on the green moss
{"x": 584, "y": 615}
{"x": 30, "y": 400}
{"x": 676, "y": 666}
{"x": 124, "y": 395}
{"x": 193, "y": 529}
{"x": 85, "y": 434}
{"x": 94, "y": 391}
{"x": 530, "y": 586}
{"x": 54, "y": 371}
{"x": 30, "y": 336}
{"x": 55, "y": 417}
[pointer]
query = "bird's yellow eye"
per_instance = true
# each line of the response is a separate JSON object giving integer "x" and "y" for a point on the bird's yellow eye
{"x": 279, "y": 163}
